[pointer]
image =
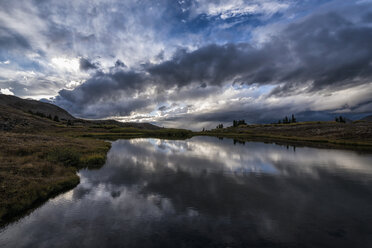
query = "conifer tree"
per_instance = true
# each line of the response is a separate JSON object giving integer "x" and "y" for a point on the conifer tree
{"x": 293, "y": 120}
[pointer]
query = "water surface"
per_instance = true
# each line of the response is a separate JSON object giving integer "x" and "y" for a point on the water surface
{"x": 206, "y": 192}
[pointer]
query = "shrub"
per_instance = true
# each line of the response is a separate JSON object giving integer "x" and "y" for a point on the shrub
{"x": 93, "y": 160}
{"x": 24, "y": 151}
{"x": 237, "y": 123}
{"x": 67, "y": 157}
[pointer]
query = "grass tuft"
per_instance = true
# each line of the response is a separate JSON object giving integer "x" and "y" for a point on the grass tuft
{"x": 65, "y": 156}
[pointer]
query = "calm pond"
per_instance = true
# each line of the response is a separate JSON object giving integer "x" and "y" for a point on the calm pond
{"x": 206, "y": 192}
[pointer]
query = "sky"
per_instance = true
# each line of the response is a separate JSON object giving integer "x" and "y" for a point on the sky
{"x": 190, "y": 63}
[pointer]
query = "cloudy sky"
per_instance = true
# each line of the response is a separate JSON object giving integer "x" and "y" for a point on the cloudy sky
{"x": 190, "y": 63}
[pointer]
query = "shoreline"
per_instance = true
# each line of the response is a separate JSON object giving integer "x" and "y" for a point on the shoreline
{"x": 27, "y": 208}
{"x": 35, "y": 167}
{"x": 296, "y": 141}
{"x": 350, "y": 136}
{"x": 33, "y": 171}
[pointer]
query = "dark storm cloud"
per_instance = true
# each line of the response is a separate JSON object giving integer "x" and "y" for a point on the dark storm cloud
{"x": 162, "y": 108}
{"x": 323, "y": 52}
{"x": 212, "y": 64}
{"x": 116, "y": 108}
{"x": 104, "y": 86}
{"x": 105, "y": 94}
{"x": 85, "y": 64}
{"x": 368, "y": 17}
{"x": 119, "y": 63}
{"x": 59, "y": 36}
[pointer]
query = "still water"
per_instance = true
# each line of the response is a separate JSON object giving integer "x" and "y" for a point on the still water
{"x": 206, "y": 192}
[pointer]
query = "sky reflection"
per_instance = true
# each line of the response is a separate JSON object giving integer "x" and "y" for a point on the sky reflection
{"x": 206, "y": 192}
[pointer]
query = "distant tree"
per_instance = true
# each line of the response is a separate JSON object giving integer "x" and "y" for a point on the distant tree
{"x": 340, "y": 119}
{"x": 286, "y": 120}
{"x": 203, "y": 129}
{"x": 40, "y": 114}
{"x": 49, "y": 116}
{"x": 235, "y": 123}
{"x": 219, "y": 126}
{"x": 293, "y": 120}
{"x": 56, "y": 118}
{"x": 69, "y": 123}
{"x": 279, "y": 121}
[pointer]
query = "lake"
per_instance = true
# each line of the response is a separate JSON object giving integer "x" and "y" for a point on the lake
{"x": 208, "y": 192}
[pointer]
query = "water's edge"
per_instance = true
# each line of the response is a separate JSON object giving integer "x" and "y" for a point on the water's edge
{"x": 65, "y": 186}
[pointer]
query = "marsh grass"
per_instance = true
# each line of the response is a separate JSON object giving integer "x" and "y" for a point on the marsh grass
{"x": 357, "y": 136}
{"x": 93, "y": 160}
{"x": 65, "y": 156}
{"x": 36, "y": 163}
{"x": 127, "y": 133}
{"x": 34, "y": 167}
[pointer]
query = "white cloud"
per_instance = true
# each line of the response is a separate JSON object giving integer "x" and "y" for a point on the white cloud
{"x": 7, "y": 91}
{"x": 227, "y": 9}
{"x": 66, "y": 64}
{"x": 250, "y": 99}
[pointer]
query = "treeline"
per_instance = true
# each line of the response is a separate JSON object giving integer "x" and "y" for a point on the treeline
{"x": 236, "y": 123}
{"x": 340, "y": 119}
{"x": 219, "y": 126}
{"x": 49, "y": 116}
{"x": 287, "y": 120}
{"x": 40, "y": 114}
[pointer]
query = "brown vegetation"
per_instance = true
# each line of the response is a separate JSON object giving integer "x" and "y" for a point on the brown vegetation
{"x": 35, "y": 166}
{"x": 39, "y": 156}
{"x": 356, "y": 135}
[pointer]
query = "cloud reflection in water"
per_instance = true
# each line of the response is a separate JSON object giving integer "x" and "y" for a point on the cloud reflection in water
{"x": 208, "y": 192}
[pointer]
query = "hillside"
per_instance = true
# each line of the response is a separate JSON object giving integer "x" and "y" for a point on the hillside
{"x": 354, "y": 135}
{"x": 33, "y": 106}
{"x": 367, "y": 118}
{"x": 40, "y": 154}
{"x": 18, "y": 113}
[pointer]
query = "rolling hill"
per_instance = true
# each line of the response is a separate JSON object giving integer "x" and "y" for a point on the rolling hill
{"x": 16, "y": 112}
{"x": 367, "y": 118}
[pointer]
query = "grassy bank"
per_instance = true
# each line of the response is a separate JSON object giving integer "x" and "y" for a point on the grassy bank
{"x": 127, "y": 133}
{"x": 34, "y": 167}
{"x": 38, "y": 163}
{"x": 355, "y": 136}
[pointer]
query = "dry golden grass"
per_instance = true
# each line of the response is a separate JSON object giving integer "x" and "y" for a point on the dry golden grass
{"x": 36, "y": 163}
{"x": 356, "y": 135}
{"x": 36, "y": 166}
